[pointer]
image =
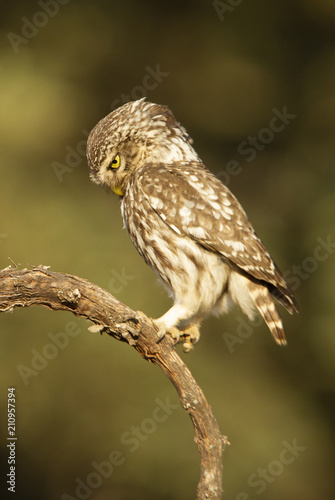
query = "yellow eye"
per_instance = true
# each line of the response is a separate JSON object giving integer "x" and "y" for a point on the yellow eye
{"x": 115, "y": 163}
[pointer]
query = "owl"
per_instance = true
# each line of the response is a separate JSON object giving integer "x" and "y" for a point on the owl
{"x": 187, "y": 225}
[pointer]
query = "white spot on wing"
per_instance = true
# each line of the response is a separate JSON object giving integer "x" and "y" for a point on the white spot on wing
{"x": 257, "y": 256}
{"x": 229, "y": 210}
{"x": 189, "y": 203}
{"x": 197, "y": 232}
{"x": 237, "y": 246}
{"x": 156, "y": 203}
{"x": 216, "y": 205}
{"x": 185, "y": 212}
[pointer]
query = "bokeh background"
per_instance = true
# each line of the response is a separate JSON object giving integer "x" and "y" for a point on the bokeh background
{"x": 226, "y": 69}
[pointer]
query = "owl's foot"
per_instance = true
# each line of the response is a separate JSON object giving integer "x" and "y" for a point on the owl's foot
{"x": 189, "y": 336}
{"x": 173, "y": 331}
{"x": 160, "y": 330}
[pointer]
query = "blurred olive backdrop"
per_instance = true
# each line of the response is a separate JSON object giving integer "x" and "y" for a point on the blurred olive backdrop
{"x": 227, "y": 70}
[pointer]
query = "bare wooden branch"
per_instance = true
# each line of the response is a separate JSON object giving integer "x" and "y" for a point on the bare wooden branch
{"x": 58, "y": 291}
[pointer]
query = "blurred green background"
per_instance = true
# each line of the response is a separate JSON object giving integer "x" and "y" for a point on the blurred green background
{"x": 226, "y": 69}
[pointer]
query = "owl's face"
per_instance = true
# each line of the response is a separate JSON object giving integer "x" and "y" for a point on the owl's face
{"x": 116, "y": 163}
{"x": 133, "y": 135}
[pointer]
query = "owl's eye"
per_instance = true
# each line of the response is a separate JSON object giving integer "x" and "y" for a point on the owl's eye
{"x": 115, "y": 163}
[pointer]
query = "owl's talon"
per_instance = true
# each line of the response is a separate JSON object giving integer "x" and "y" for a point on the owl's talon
{"x": 173, "y": 331}
{"x": 187, "y": 346}
{"x": 160, "y": 333}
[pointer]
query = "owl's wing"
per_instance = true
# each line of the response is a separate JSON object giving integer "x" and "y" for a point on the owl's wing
{"x": 193, "y": 202}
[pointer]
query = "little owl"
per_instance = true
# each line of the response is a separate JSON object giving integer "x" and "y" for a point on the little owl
{"x": 187, "y": 225}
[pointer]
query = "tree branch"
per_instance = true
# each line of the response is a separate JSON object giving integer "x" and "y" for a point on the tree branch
{"x": 58, "y": 291}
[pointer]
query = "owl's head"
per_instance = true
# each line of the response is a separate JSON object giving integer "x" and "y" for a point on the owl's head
{"x": 136, "y": 134}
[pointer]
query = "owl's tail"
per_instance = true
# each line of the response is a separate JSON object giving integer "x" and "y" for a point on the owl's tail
{"x": 264, "y": 302}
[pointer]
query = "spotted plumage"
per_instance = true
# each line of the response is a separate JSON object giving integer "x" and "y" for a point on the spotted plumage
{"x": 187, "y": 225}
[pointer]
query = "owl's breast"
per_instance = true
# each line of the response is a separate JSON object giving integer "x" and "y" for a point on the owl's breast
{"x": 181, "y": 263}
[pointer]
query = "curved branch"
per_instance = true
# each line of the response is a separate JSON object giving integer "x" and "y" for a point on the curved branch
{"x": 58, "y": 291}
